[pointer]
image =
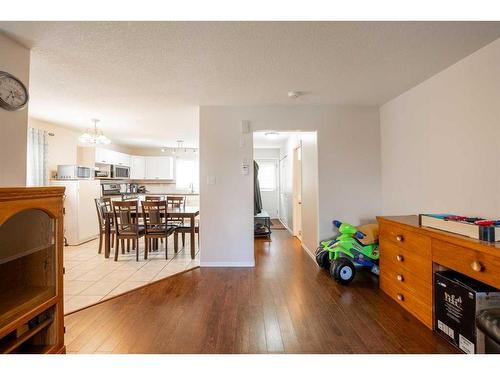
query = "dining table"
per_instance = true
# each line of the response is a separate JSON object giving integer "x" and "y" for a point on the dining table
{"x": 188, "y": 212}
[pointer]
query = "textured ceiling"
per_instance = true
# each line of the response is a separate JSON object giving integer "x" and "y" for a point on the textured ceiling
{"x": 144, "y": 80}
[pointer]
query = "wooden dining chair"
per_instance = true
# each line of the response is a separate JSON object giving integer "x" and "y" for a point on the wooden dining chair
{"x": 183, "y": 229}
{"x": 154, "y": 198}
{"x": 156, "y": 225}
{"x": 127, "y": 225}
{"x": 103, "y": 207}
{"x": 177, "y": 202}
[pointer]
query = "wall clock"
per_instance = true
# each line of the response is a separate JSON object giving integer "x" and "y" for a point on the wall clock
{"x": 13, "y": 94}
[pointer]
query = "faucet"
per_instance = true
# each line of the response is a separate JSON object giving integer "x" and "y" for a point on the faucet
{"x": 191, "y": 187}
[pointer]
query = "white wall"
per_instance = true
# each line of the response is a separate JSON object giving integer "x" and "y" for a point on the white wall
{"x": 441, "y": 141}
{"x": 348, "y": 171}
{"x": 14, "y": 59}
{"x": 270, "y": 199}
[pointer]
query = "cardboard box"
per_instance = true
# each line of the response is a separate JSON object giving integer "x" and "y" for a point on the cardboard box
{"x": 457, "y": 301}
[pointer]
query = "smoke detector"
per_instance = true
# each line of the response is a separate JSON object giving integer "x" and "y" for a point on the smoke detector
{"x": 294, "y": 94}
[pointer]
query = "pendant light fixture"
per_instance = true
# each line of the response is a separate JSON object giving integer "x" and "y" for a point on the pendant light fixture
{"x": 94, "y": 136}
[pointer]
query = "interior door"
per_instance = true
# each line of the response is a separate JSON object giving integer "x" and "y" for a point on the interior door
{"x": 297, "y": 192}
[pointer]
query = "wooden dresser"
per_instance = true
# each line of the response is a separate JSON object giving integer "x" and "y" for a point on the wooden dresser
{"x": 31, "y": 265}
{"x": 409, "y": 254}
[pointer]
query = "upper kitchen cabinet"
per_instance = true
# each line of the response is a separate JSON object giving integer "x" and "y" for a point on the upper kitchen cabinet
{"x": 159, "y": 168}
{"x": 105, "y": 156}
{"x": 138, "y": 167}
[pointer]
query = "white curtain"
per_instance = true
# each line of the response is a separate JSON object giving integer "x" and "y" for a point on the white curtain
{"x": 37, "y": 157}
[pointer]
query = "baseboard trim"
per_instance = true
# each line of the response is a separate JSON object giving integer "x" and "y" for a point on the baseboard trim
{"x": 286, "y": 226}
{"x": 227, "y": 264}
{"x": 309, "y": 252}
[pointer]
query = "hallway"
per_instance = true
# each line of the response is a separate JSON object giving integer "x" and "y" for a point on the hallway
{"x": 286, "y": 304}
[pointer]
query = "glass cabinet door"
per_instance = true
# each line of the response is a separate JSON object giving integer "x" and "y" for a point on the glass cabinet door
{"x": 27, "y": 263}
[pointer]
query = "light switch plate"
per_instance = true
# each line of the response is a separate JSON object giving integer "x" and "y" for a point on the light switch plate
{"x": 211, "y": 180}
{"x": 245, "y": 126}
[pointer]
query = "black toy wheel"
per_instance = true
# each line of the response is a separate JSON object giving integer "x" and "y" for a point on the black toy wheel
{"x": 342, "y": 270}
{"x": 323, "y": 258}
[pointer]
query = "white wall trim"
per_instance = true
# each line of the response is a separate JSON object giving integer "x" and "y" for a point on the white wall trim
{"x": 311, "y": 254}
{"x": 286, "y": 226}
{"x": 227, "y": 264}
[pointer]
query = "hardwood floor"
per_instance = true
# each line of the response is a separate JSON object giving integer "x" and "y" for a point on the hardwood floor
{"x": 286, "y": 304}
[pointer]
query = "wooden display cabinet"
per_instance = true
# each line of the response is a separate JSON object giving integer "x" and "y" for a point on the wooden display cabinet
{"x": 31, "y": 270}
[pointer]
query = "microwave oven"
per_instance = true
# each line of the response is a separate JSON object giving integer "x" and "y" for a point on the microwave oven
{"x": 120, "y": 171}
{"x": 73, "y": 172}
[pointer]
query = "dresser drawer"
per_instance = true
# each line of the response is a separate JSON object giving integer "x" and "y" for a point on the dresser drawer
{"x": 413, "y": 303}
{"x": 476, "y": 264}
{"x": 405, "y": 238}
{"x": 412, "y": 283}
{"x": 406, "y": 259}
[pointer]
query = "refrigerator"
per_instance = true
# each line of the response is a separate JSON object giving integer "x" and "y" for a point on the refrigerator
{"x": 80, "y": 215}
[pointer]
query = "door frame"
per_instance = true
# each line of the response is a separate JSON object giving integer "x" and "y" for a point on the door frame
{"x": 297, "y": 192}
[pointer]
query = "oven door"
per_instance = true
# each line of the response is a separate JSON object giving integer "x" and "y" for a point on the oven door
{"x": 121, "y": 171}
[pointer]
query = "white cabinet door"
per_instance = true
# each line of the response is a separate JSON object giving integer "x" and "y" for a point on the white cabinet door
{"x": 152, "y": 168}
{"x": 159, "y": 167}
{"x": 121, "y": 159}
{"x": 165, "y": 167}
{"x": 103, "y": 155}
{"x": 137, "y": 167}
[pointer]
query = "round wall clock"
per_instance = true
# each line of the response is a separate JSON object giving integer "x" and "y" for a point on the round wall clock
{"x": 13, "y": 94}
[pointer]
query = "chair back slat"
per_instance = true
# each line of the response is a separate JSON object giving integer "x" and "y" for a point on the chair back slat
{"x": 103, "y": 206}
{"x": 126, "y": 215}
{"x": 155, "y": 216}
{"x": 149, "y": 198}
{"x": 175, "y": 202}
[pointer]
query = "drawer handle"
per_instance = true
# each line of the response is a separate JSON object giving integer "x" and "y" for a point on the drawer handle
{"x": 476, "y": 266}
{"x": 400, "y": 278}
{"x": 400, "y": 238}
{"x": 400, "y": 297}
{"x": 400, "y": 258}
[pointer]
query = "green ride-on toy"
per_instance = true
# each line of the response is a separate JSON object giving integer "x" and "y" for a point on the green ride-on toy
{"x": 354, "y": 246}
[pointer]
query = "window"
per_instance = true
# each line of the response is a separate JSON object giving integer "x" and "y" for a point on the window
{"x": 187, "y": 173}
{"x": 267, "y": 175}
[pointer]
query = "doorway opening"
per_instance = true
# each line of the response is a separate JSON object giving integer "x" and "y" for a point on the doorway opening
{"x": 286, "y": 185}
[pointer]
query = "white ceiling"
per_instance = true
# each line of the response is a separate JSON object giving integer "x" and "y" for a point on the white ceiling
{"x": 145, "y": 80}
{"x": 260, "y": 140}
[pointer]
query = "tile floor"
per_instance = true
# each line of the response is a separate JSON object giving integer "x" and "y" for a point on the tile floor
{"x": 90, "y": 277}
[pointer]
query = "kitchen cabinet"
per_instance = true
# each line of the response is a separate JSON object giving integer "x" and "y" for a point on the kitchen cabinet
{"x": 159, "y": 167}
{"x": 138, "y": 167}
{"x": 105, "y": 156}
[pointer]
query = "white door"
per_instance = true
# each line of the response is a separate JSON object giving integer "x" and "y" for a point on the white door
{"x": 297, "y": 192}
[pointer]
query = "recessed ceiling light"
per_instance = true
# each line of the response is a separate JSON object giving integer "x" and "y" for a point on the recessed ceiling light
{"x": 294, "y": 94}
{"x": 272, "y": 135}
